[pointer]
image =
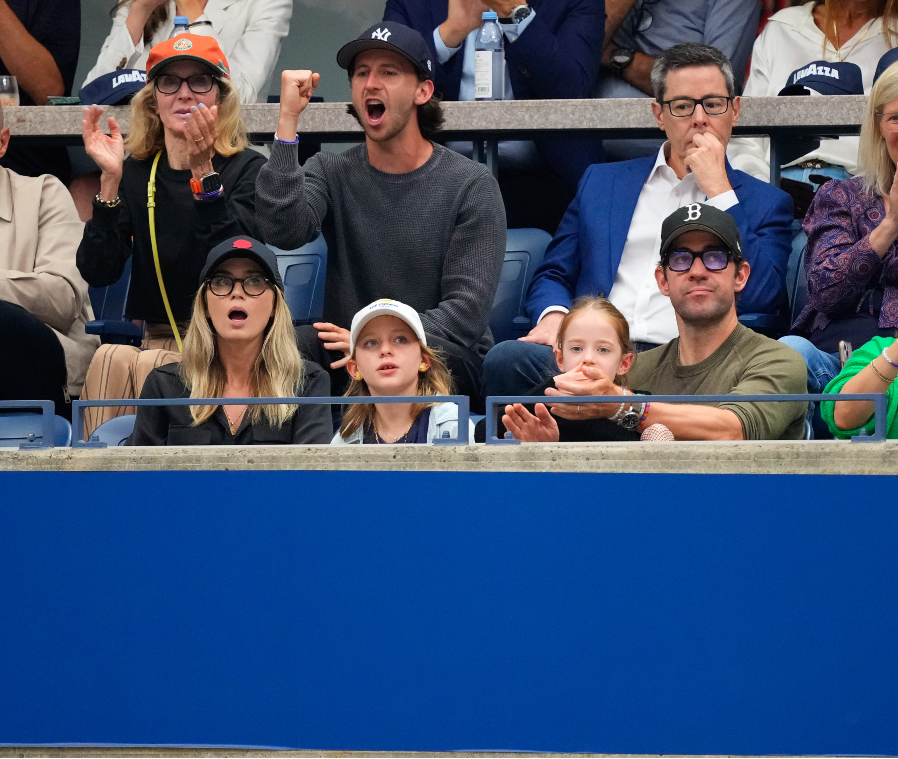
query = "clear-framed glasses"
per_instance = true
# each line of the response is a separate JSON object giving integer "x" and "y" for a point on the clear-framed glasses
{"x": 713, "y": 105}
{"x": 682, "y": 260}
{"x": 888, "y": 121}
{"x": 253, "y": 285}
{"x": 169, "y": 84}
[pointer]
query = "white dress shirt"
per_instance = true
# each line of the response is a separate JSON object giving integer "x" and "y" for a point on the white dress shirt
{"x": 635, "y": 291}
{"x": 249, "y": 33}
{"x": 790, "y": 41}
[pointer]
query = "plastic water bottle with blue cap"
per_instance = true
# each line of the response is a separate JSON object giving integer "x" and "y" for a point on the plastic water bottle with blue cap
{"x": 489, "y": 60}
{"x": 181, "y": 26}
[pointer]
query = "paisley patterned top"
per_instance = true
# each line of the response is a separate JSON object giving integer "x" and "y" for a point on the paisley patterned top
{"x": 841, "y": 266}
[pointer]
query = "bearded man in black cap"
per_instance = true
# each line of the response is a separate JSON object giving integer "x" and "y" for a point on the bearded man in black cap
{"x": 403, "y": 218}
{"x": 702, "y": 270}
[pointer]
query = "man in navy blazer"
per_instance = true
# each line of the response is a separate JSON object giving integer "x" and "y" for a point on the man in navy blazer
{"x": 609, "y": 239}
{"x": 556, "y": 54}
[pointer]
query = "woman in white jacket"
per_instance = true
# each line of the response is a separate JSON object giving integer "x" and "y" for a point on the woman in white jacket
{"x": 248, "y": 31}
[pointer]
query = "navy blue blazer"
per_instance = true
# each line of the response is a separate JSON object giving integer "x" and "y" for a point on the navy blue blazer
{"x": 557, "y": 56}
{"x": 583, "y": 257}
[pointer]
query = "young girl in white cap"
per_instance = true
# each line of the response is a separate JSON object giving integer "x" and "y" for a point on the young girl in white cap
{"x": 389, "y": 356}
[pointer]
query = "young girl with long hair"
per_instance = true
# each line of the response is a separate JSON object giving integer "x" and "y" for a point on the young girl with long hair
{"x": 390, "y": 356}
{"x": 239, "y": 344}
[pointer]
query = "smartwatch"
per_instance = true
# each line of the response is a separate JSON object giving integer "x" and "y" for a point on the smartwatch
{"x": 519, "y": 13}
{"x": 621, "y": 58}
{"x": 210, "y": 184}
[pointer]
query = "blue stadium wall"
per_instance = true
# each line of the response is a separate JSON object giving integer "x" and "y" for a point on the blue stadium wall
{"x": 402, "y": 611}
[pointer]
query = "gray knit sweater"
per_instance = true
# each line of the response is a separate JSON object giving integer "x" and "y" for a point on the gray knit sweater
{"x": 433, "y": 238}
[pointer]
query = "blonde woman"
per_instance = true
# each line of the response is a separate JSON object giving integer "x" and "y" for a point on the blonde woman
{"x": 239, "y": 344}
{"x": 188, "y": 135}
{"x": 389, "y": 355}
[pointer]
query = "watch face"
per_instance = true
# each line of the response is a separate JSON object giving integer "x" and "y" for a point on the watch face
{"x": 520, "y": 13}
{"x": 211, "y": 183}
{"x": 630, "y": 420}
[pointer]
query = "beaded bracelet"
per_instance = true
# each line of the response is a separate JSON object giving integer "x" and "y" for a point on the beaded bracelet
{"x": 886, "y": 357}
{"x": 645, "y": 413}
{"x": 107, "y": 203}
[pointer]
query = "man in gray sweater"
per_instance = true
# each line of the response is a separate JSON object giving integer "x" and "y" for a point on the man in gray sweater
{"x": 403, "y": 218}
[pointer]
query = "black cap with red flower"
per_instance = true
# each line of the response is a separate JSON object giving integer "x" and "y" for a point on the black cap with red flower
{"x": 243, "y": 247}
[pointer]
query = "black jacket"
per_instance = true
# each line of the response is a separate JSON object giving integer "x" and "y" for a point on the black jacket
{"x": 173, "y": 425}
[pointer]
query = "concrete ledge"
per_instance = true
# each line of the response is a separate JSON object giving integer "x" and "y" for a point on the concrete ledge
{"x": 823, "y": 457}
{"x": 835, "y": 114}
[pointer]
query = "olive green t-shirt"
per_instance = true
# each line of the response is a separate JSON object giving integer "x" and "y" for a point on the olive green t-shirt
{"x": 746, "y": 364}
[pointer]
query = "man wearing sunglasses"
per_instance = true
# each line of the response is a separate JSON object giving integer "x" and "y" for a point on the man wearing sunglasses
{"x": 702, "y": 271}
{"x": 609, "y": 239}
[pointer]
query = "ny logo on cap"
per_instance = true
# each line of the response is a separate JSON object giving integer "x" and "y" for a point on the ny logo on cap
{"x": 183, "y": 45}
{"x": 382, "y": 34}
{"x": 694, "y": 212}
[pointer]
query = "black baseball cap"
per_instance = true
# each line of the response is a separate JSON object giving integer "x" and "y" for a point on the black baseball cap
{"x": 244, "y": 247}
{"x": 114, "y": 88}
{"x": 704, "y": 217}
{"x": 842, "y": 78}
{"x": 390, "y": 36}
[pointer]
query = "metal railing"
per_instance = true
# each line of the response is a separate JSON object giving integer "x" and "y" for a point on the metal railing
{"x": 880, "y": 400}
{"x": 462, "y": 437}
{"x": 48, "y": 422}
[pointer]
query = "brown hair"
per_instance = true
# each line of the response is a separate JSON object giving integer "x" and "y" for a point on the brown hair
{"x": 157, "y": 18}
{"x": 602, "y": 306}
{"x": 435, "y": 381}
{"x": 887, "y": 9}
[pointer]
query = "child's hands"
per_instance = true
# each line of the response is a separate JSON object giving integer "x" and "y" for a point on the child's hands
{"x": 528, "y": 428}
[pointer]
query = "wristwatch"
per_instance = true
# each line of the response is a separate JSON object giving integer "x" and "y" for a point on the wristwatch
{"x": 632, "y": 416}
{"x": 519, "y": 13}
{"x": 621, "y": 58}
{"x": 210, "y": 184}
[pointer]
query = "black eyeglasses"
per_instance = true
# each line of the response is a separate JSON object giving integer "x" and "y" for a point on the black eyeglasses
{"x": 169, "y": 84}
{"x": 682, "y": 260}
{"x": 253, "y": 285}
{"x": 713, "y": 105}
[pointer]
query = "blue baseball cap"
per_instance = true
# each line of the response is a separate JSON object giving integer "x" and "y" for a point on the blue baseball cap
{"x": 114, "y": 88}
{"x": 840, "y": 78}
{"x": 887, "y": 60}
{"x": 390, "y": 36}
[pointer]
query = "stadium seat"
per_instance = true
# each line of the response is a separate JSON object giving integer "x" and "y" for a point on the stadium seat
{"x": 798, "y": 286}
{"x": 109, "y": 311}
{"x": 115, "y": 431}
{"x": 17, "y": 427}
{"x": 303, "y": 271}
{"x": 524, "y": 251}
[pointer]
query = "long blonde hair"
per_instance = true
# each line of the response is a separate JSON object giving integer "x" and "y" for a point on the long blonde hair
{"x": 875, "y": 164}
{"x": 435, "y": 381}
{"x": 277, "y": 373}
{"x": 146, "y": 137}
{"x": 887, "y": 9}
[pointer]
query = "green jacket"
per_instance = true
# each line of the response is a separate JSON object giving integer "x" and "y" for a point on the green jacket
{"x": 859, "y": 359}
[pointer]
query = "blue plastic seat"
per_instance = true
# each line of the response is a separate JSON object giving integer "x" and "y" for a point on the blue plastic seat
{"x": 17, "y": 427}
{"x": 524, "y": 251}
{"x": 109, "y": 311}
{"x": 303, "y": 271}
{"x": 116, "y": 431}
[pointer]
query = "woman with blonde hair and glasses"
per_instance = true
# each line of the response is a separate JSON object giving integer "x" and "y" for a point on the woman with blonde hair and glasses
{"x": 851, "y": 259}
{"x": 188, "y": 184}
{"x": 239, "y": 344}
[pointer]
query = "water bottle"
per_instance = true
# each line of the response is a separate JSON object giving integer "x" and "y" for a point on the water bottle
{"x": 181, "y": 26}
{"x": 489, "y": 60}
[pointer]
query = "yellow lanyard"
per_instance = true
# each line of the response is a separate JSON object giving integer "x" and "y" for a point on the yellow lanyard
{"x": 151, "y": 208}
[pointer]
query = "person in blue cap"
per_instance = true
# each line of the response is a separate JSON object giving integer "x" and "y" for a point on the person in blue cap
{"x": 403, "y": 217}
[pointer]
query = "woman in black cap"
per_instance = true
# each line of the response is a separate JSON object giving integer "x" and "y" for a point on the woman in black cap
{"x": 239, "y": 344}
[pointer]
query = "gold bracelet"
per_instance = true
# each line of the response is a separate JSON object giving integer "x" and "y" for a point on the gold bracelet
{"x": 876, "y": 371}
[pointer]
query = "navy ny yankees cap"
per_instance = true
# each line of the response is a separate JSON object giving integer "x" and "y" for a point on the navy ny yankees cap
{"x": 841, "y": 78}
{"x": 887, "y": 60}
{"x": 113, "y": 88}
{"x": 390, "y": 36}
{"x": 706, "y": 218}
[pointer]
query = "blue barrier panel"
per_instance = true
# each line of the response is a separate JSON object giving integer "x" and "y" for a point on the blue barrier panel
{"x": 403, "y": 611}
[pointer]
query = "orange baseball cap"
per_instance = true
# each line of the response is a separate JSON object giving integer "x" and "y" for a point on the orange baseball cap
{"x": 188, "y": 47}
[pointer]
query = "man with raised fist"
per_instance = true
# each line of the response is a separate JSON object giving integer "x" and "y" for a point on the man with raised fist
{"x": 403, "y": 218}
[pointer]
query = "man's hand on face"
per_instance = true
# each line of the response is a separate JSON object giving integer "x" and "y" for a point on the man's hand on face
{"x": 584, "y": 380}
{"x": 706, "y": 159}
{"x": 546, "y": 332}
{"x": 464, "y": 17}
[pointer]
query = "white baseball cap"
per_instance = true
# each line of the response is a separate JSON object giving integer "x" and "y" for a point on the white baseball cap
{"x": 385, "y": 307}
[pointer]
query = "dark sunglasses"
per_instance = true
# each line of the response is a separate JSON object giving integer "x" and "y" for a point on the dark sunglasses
{"x": 253, "y": 285}
{"x": 199, "y": 84}
{"x": 682, "y": 260}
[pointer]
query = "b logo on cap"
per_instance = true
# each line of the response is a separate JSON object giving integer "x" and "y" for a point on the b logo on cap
{"x": 242, "y": 244}
{"x": 695, "y": 212}
{"x": 183, "y": 44}
{"x": 382, "y": 34}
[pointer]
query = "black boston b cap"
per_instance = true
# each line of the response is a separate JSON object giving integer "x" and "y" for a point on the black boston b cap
{"x": 243, "y": 247}
{"x": 390, "y": 36}
{"x": 704, "y": 217}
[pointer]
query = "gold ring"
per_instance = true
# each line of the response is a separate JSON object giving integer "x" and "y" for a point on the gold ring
{"x": 578, "y": 409}
{"x": 201, "y": 139}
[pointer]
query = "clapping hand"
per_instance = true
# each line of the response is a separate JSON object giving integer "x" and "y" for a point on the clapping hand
{"x": 201, "y": 131}
{"x": 541, "y": 428}
{"x": 107, "y": 150}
